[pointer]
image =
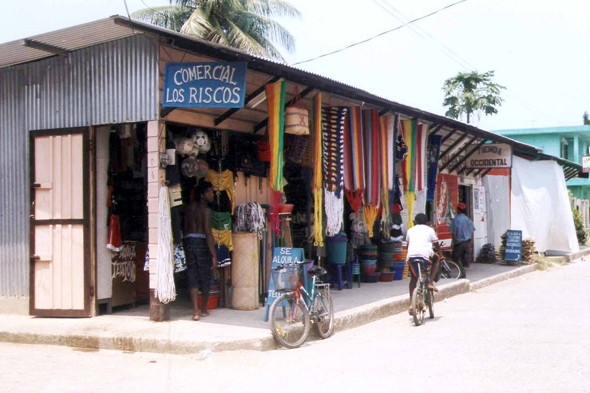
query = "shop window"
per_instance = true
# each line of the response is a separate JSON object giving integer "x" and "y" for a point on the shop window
{"x": 566, "y": 150}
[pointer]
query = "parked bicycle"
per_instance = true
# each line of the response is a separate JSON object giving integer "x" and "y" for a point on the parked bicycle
{"x": 449, "y": 269}
{"x": 293, "y": 312}
{"x": 422, "y": 297}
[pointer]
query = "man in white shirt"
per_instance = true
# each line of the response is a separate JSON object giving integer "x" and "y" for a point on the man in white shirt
{"x": 420, "y": 240}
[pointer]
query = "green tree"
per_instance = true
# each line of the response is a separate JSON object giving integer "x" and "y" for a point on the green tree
{"x": 243, "y": 24}
{"x": 472, "y": 93}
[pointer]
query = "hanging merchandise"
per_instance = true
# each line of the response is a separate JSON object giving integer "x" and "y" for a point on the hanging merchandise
{"x": 223, "y": 181}
{"x": 275, "y": 94}
{"x": 189, "y": 167}
{"x": 316, "y": 129}
{"x": 333, "y": 165}
{"x": 434, "y": 142}
{"x": 165, "y": 290}
{"x": 408, "y": 129}
{"x": 202, "y": 168}
{"x": 372, "y": 134}
{"x": 296, "y": 117}
{"x": 354, "y": 175}
{"x": 221, "y": 221}
{"x": 184, "y": 146}
{"x": 401, "y": 149}
{"x": 385, "y": 123}
{"x": 250, "y": 218}
{"x": 263, "y": 148}
{"x": 223, "y": 238}
{"x": 201, "y": 142}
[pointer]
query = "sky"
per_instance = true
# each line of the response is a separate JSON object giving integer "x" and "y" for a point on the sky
{"x": 539, "y": 49}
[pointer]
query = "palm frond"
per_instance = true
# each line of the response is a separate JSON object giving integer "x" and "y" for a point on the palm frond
{"x": 171, "y": 17}
{"x": 272, "y": 8}
{"x": 266, "y": 27}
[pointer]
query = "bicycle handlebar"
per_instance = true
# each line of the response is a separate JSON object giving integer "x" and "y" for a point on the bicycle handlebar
{"x": 292, "y": 264}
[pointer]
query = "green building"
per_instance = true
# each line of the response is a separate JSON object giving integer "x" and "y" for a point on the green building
{"x": 571, "y": 143}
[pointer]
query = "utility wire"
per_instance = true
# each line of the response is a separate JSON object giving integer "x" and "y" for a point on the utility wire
{"x": 402, "y": 18}
{"x": 379, "y": 35}
{"x": 461, "y": 61}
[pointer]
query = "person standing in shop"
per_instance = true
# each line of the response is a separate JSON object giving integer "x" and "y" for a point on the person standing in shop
{"x": 199, "y": 247}
{"x": 461, "y": 229}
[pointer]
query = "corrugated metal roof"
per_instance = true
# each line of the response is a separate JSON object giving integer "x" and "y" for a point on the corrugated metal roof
{"x": 69, "y": 39}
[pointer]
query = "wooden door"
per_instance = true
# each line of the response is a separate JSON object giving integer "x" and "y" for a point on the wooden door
{"x": 60, "y": 274}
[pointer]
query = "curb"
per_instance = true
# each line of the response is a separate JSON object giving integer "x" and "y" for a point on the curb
{"x": 576, "y": 255}
{"x": 343, "y": 320}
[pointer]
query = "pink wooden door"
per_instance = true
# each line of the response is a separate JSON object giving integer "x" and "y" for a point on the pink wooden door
{"x": 60, "y": 283}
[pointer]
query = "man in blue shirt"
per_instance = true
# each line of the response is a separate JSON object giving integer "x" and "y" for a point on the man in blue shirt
{"x": 462, "y": 228}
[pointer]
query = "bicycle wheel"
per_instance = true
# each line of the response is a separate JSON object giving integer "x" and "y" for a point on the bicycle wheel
{"x": 418, "y": 310}
{"x": 289, "y": 321}
{"x": 450, "y": 270}
{"x": 324, "y": 310}
{"x": 430, "y": 302}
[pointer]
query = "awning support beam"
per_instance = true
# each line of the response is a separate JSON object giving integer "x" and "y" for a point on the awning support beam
{"x": 446, "y": 137}
{"x": 264, "y": 122}
{"x": 458, "y": 153}
{"x": 468, "y": 155}
{"x": 434, "y": 129}
{"x": 454, "y": 145}
{"x": 256, "y": 93}
{"x": 486, "y": 172}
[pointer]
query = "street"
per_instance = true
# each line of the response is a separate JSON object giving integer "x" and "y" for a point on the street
{"x": 529, "y": 334}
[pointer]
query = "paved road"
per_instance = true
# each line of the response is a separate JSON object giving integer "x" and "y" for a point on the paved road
{"x": 529, "y": 334}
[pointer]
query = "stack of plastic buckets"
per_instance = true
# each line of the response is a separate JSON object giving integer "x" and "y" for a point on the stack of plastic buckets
{"x": 386, "y": 261}
{"x": 368, "y": 257}
{"x": 213, "y": 297}
{"x": 400, "y": 261}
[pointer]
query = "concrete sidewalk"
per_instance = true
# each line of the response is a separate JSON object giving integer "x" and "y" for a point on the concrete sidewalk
{"x": 227, "y": 329}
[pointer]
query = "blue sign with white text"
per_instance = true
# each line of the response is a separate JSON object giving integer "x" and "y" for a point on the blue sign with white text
{"x": 281, "y": 256}
{"x": 513, "y": 245}
{"x": 204, "y": 85}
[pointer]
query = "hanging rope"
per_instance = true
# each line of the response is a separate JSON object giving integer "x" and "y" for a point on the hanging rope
{"x": 316, "y": 129}
{"x": 353, "y": 159}
{"x": 275, "y": 97}
{"x": 333, "y": 155}
{"x": 165, "y": 289}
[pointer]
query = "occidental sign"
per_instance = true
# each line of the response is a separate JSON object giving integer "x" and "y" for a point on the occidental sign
{"x": 490, "y": 156}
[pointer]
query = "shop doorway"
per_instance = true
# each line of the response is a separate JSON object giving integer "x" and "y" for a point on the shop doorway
{"x": 60, "y": 274}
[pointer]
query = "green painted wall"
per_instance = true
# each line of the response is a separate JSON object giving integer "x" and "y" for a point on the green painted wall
{"x": 549, "y": 143}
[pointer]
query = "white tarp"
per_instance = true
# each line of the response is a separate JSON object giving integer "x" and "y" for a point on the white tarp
{"x": 498, "y": 202}
{"x": 540, "y": 205}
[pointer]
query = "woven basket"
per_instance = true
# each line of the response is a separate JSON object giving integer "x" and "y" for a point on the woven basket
{"x": 296, "y": 120}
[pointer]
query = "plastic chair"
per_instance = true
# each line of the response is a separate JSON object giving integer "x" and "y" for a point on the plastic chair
{"x": 340, "y": 275}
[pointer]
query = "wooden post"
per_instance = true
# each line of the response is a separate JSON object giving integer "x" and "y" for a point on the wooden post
{"x": 156, "y": 145}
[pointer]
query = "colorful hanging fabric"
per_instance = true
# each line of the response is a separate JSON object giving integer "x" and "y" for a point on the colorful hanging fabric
{"x": 333, "y": 119}
{"x": 372, "y": 136}
{"x": 223, "y": 181}
{"x": 385, "y": 142}
{"x": 275, "y": 97}
{"x": 432, "y": 164}
{"x": 409, "y": 130}
{"x": 354, "y": 176}
{"x": 316, "y": 134}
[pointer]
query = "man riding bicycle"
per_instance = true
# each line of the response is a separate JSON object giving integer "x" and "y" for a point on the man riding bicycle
{"x": 420, "y": 240}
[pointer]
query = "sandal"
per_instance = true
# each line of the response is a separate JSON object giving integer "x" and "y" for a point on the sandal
{"x": 410, "y": 310}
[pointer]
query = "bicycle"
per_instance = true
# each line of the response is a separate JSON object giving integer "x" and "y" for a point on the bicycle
{"x": 292, "y": 313}
{"x": 422, "y": 296}
{"x": 448, "y": 269}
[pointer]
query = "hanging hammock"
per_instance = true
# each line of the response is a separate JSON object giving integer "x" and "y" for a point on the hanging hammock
{"x": 354, "y": 176}
{"x": 408, "y": 129}
{"x": 385, "y": 142}
{"x": 372, "y": 135}
{"x": 333, "y": 162}
{"x": 275, "y": 94}
{"x": 316, "y": 131}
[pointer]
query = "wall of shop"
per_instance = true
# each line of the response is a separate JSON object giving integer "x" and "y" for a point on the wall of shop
{"x": 115, "y": 82}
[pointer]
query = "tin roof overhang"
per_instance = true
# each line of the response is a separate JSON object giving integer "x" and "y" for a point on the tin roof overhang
{"x": 116, "y": 27}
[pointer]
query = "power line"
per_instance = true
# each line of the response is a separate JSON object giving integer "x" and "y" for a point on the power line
{"x": 462, "y": 62}
{"x": 380, "y": 34}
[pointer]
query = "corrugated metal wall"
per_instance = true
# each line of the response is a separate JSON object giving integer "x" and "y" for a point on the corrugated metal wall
{"x": 115, "y": 82}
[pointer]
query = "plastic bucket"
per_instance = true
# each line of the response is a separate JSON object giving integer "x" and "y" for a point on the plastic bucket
{"x": 398, "y": 270}
{"x": 336, "y": 249}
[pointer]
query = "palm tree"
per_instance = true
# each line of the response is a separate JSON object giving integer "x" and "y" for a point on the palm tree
{"x": 243, "y": 24}
{"x": 472, "y": 92}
